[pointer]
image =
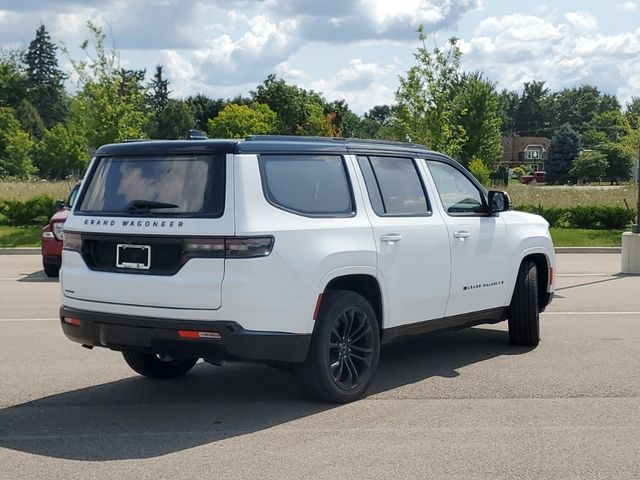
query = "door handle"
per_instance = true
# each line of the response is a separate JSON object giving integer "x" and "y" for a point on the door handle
{"x": 391, "y": 238}
{"x": 461, "y": 234}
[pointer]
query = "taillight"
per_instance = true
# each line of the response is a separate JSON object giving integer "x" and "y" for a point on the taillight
{"x": 72, "y": 242}
{"x": 248, "y": 247}
{"x": 57, "y": 230}
{"x": 229, "y": 247}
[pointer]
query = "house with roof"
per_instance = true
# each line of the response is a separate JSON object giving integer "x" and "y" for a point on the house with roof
{"x": 532, "y": 152}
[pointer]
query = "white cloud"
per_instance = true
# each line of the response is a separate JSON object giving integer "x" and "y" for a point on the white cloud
{"x": 628, "y": 6}
{"x": 359, "y": 75}
{"x": 582, "y": 20}
{"x": 514, "y": 49}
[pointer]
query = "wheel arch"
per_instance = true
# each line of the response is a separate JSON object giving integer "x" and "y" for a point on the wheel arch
{"x": 543, "y": 266}
{"x": 363, "y": 283}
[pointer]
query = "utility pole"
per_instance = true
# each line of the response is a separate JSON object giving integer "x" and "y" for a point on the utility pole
{"x": 636, "y": 227}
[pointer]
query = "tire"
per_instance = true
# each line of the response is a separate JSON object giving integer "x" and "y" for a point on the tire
{"x": 51, "y": 270}
{"x": 524, "y": 314}
{"x": 157, "y": 366}
{"x": 345, "y": 349}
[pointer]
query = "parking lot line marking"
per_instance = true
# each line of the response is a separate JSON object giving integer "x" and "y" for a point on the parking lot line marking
{"x": 585, "y": 275}
{"x": 8, "y": 320}
{"x": 590, "y": 313}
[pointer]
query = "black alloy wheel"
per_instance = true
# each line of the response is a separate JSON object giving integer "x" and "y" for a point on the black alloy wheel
{"x": 351, "y": 348}
{"x": 344, "y": 350}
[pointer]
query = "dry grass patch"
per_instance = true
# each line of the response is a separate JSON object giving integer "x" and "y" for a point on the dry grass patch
{"x": 560, "y": 196}
{"x": 23, "y": 190}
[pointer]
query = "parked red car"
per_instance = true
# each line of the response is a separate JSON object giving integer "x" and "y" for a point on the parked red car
{"x": 538, "y": 177}
{"x": 51, "y": 240}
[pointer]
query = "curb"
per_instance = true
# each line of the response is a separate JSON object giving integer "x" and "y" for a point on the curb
{"x": 588, "y": 249}
{"x": 20, "y": 251}
{"x": 36, "y": 250}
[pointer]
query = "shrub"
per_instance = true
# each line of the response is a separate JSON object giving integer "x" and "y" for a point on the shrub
{"x": 479, "y": 170}
{"x": 606, "y": 217}
{"x": 615, "y": 217}
{"x": 33, "y": 211}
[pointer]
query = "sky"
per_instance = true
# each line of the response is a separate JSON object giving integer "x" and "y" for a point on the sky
{"x": 347, "y": 49}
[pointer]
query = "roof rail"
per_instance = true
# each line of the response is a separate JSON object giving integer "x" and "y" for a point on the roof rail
{"x": 297, "y": 138}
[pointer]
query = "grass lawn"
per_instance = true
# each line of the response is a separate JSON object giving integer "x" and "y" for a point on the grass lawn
{"x": 22, "y": 190}
{"x": 20, "y": 236}
{"x": 575, "y": 237}
{"x": 561, "y": 196}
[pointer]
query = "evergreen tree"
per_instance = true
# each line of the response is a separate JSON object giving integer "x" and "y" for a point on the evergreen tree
{"x": 204, "y": 108}
{"x": 30, "y": 120}
{"x": 534, "y": 110}
{"x": 44, "y": 80}
{"x": 174, "y": 120}
{"x": 158, "y": 91}
{"x": 564, "y": 149}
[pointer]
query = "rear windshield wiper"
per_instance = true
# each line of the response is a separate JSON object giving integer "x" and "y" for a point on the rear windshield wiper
{"x": 146, "y": 206}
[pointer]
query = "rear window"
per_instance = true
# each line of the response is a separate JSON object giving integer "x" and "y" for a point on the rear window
{"x": 314, "y": 185}
{"x": 156, "y": 185}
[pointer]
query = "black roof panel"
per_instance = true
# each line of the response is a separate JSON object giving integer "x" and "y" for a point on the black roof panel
{"x": 261, "y": 144}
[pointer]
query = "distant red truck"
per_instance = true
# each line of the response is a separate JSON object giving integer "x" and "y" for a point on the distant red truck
{"x": 538, "y": 177}
{"x": 51, "y": 240}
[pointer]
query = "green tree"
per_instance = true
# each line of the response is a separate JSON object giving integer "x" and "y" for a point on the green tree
{"x": 479, "y": 170}
{"x": 204, "y": 108}
{"x": 61, "y": 153}
{"x": 15, "y": 147}
{"x": 508, "y": 109}
{"x": 158, "y": 91}
{"x": 477, "y": 112}
{"x": 44, "y": 80}
{"x": 174, "y": 120}
{"x": 291, "y": 104}
{"x": 426, "y": 96}
{"x": 563, "y": 150}
{"x": 589, "y": 166}
{"x": 607, "y": 126}
{"x": 30, "y": 120}
{"x": 578, "y": 105}
{"x": 619, "y": 161}
{"x": 316, "y": 123}
{"x": 240, "y": 121}
{"x": 632, "y": 112}
{"x": 534, "y": 114}
{"x": 13, "y": 86}
{"x": 345, "y": 123}
{"x": 111, "y": 103}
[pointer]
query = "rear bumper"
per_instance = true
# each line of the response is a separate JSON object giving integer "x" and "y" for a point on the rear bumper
{"x": 160, "y": 336}
{"x": 51, "y": 250}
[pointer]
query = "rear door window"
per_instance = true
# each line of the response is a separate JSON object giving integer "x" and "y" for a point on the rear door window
{"x": 161, "y": 186}
{"x": 394, "y": 186}
{"x": 315, "y": 185}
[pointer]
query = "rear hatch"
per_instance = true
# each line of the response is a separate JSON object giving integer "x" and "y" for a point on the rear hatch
{"x": 148, "y": 230}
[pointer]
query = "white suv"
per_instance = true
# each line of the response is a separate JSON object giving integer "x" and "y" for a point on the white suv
{"x": 304, "y": 252}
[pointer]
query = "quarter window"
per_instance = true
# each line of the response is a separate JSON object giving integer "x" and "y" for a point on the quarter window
{"x": 458, "y": 194}
{"x": 307, "y": 184}
{"x": 394, "y": 186}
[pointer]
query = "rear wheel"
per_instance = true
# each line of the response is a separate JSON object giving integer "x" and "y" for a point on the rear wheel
{"x": 344, "y": 351}
{"x": 51, "y": 270}
{"x": 158, "y": 366}
{"x": 524, "y": 314}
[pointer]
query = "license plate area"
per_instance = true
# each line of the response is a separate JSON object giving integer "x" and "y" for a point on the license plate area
{"x": 137, "y": 257}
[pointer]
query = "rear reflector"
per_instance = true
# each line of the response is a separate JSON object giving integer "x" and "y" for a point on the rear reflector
{"x": 317, "y": 309}
{"x": 72, "y": 321}
{"x": 194, "y": 334}
{"x": 550, "y": 276}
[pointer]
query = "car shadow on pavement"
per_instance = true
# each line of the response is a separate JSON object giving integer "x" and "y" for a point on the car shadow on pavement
{"x": 36, "y": 277}
{"x": 138, "y": 418}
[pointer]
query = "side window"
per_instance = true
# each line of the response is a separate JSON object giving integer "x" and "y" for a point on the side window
{"x": 458, "y": 194}
{"x": 394, "y": 186}
{"x": 307, "y": 184}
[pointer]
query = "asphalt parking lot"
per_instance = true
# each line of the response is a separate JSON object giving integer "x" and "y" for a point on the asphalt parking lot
{"x": 462, "y": 405}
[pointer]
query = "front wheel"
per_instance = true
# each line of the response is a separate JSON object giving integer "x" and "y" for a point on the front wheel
{"x": 524, "y": 313}
{"x": 345, "y": 348}
{"x": 158, "y": 366}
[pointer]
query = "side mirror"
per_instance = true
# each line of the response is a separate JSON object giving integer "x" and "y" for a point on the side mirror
{"x": 59, "y": 205}
{"x": 498, "y": 202}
